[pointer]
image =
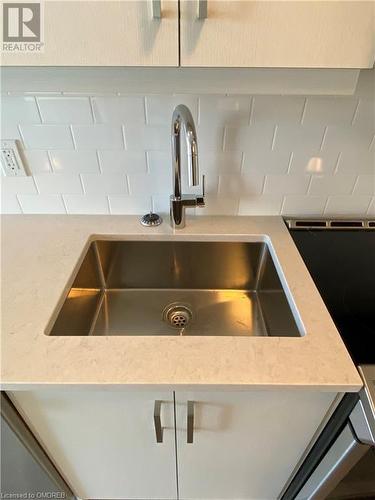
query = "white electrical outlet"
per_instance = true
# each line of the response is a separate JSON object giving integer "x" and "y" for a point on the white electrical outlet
{"x": 11, "y": 162}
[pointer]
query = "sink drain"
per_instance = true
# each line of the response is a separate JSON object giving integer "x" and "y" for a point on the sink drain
{"x": 177, "y": 315}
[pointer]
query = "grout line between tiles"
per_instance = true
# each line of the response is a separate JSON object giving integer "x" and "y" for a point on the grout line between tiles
{"x": 242, "y": 163}
{"x": 224, "y": 138}
{"x": 274, "y": 137}
{"x": 109, "y": 204}
{"x": 352, "y": 121}
{"x": 263, "y": 184}
{"x": 72, "y": 136}
{"x": 19, "y": 203}
{"x": 251, "y": 110}
{"x": 50, "y": 161}
{"x": 282, "y": 205}
{"x": 99, "y": 161}
{"x": 323, "y": 138}
{"x": 325, "y": 205}
{"x": 38, "y": 108}
{"x": 290, "y": 162}
{"x": 303, "y": 111}
{"x": 355, "y": 184}
{"x": 123, "y": 137}
{"x": 372, "y": 200}
{"x": 82, "y": 184}
{"x": 21, "y": 135}
{"x": 145, "y": 110}
{"x": 128, "y": 184}
{"x": 92, "y": 110}
{"x": 64, "y": 203}
{"x": 372, "y": 142}
{"x": 309, "y": 185}
{"x": 336, "y": 169}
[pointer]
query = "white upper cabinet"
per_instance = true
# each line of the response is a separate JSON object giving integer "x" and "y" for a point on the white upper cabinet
{"x": 104, "y": 33}
{"x": 288, "y": 34}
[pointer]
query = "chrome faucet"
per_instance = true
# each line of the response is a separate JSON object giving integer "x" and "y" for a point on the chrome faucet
{"x": 178, "y": 202}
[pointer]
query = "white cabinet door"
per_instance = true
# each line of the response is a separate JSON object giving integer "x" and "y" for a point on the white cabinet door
{"x": 295, "y": 34}
{"x": 104, "y": 33}
{"x": 245, "y": 444}
{"x": 104, "y": 442}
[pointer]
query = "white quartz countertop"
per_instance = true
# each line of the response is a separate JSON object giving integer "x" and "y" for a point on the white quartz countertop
{"x": 40, "y": 254}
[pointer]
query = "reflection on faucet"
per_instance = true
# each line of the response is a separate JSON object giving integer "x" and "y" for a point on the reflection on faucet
{"x": 182, "y": 118}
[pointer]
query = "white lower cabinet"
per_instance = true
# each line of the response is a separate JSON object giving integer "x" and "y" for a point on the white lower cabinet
{"x": 104, "y": 442}
{"x": 245, "y": 444}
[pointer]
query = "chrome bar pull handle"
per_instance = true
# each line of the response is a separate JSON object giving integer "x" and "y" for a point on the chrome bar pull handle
{"x": 190, "y": 421}
{"x": 156, "y": 9}
{"x": 202, "y": 9}
{"x": 157, "y": 422}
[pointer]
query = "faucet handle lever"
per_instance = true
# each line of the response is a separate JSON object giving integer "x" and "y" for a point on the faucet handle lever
{"x": 200, "y": 199}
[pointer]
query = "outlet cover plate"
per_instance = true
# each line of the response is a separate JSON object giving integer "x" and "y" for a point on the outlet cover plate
{"x": 11, "y": 162}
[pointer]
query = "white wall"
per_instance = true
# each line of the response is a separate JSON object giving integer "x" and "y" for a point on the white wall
{"x": 110, "y": 153}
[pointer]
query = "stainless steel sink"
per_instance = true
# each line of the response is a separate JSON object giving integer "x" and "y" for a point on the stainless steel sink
{"x": 176, "y": 288}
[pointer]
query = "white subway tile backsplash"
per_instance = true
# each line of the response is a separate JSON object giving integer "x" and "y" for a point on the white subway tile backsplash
{"x": 160, "y": 205}
{"x": 147, "y": 138}
{"x": 241, "y": 185}
{"x": 210, "y": 138}
{"x": 347, "y": 205}
{"x": 357, "y": 160}
{"x": 111, "y": 183}
{"x": 58, "y": 184}
{"x": 267, "y": 204}
{"x": 41, "y": 204}
{"x": 311, "y": 205}
{"x": 131, "y": 205}
{"x": 314, "y": 162}
{"x": 286, "y": 184}
{"x": 159, "y": 108}
{"x": 86, "y": 204}
{"x": 10, "y": 204}
{"x": 365, "y": 115}
{"x": 18, "y": 185}
{"x": 19, "y": 109}
{"x": 37, "y": 161}
{"x": 69, "y": 110}
{"x": 96, "y": 153}
{"x": 47, "y": 136}
{"x": 277, "y": 109}
{"x": 371, "y": 208}
{"x": 253, "y": 137}
{"x": 211, "y": 162}
{"x": 365, "y": 185}
{"x": 150, "y": 184}
{"x": 224, "y": 110}
{"x": 291, "y": 137}
{"x": 219, "y": 205}
{"x": 121, "y": 110}
{"x": 159, "y": 161}
{"x": 98, "y": 136}
{"x": 330, "y": 110}
{"x": 122, "y": 161}
{"x": 347, "y": 138}
{"x": 325, "y": 185}
{"x": 266, "y": 161}
{"x": 74, "y": 162}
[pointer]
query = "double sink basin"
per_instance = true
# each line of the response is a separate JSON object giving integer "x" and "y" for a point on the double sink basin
{"x": 177, "y": 288}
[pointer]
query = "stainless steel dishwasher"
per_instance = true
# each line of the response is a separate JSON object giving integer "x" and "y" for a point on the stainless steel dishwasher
{"x": 340, "y": 256}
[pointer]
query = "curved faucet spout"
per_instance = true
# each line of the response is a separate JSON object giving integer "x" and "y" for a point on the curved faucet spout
{"x": 183, "y": 120}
